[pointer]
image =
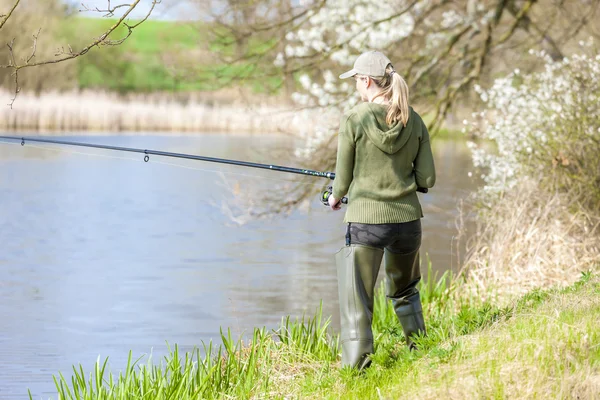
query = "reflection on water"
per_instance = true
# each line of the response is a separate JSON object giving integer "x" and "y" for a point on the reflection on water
{"x": 106, "y": 254}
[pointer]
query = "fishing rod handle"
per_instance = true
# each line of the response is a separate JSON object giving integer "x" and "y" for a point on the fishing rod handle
{"x": 328, "y": 192}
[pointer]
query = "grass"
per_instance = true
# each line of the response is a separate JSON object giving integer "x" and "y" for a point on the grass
{"x": 545, "y": 345}
{"x": 136, "y": 65}
{"x": 159, "y": 56}
{"x": 150, "y": 37}
{"x": 532, "y": 237}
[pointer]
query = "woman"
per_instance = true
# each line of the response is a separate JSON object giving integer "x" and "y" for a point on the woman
{"x": 383, "y": 157}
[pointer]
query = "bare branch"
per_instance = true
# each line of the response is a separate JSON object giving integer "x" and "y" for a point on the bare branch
{"x": 35, "y": 39}
{"x": 520, "y": 16}
{"x": 130, "y": 28}
{"x": 109, "y": 12}
{"x": 445, "y": 103}
{"x": 7, "y": 16}
{"x": 277, "y": 25}
{"x": 15, "y": 73}
{"x": 434, "y": 61}
{"x": 102, "y": 40}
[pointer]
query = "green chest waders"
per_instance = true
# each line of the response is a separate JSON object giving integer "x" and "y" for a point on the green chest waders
{"x": 357, "y": 269}
{"x": 402, "y": 275}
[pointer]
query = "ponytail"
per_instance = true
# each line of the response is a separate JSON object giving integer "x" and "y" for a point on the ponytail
{"x": 395, "y": 90}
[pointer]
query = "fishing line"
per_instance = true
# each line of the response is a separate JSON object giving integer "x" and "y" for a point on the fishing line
{"x": 59, "y": 149}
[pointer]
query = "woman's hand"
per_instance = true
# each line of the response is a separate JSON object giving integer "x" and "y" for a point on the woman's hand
{"x": 334, "y": 203}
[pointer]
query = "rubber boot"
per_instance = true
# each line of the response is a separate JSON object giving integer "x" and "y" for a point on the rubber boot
{"x": 410, "y": 314}
{"x": 402, "y": 275}
{"x": 357, "y": 269}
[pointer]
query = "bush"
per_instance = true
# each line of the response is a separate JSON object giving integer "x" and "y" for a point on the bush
{"x": 545, "y": 126}
{"x": 538, "y": 221}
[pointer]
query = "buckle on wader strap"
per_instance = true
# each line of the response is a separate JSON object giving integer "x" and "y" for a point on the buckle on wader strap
{"x": 348, "y": 235}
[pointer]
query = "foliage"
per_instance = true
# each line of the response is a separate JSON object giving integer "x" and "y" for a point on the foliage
{"x": 143, "y": 63}
{"x": 538, "y": 220}
{"x": 161, "y": 56}
{"x": 545, "y": 126}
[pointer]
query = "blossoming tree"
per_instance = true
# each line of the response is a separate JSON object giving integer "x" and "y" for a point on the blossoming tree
{"x": 442, "y": 48}
{"x": 544, "y": 126}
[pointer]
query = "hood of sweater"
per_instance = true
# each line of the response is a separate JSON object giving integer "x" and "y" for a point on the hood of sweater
{"x": 388, "y": 138}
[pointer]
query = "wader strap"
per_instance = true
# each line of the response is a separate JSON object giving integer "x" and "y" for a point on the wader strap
{"x": 348, "y": 235}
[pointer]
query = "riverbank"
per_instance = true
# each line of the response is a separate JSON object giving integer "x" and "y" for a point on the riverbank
{"x": 543, "y": 344}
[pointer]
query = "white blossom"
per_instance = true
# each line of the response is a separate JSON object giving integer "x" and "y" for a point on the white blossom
{"x": 451, "y": 19}
{"x": 341, "y": 30}
{"x": 523, "y": 120}
{"x": 279, "y": 60}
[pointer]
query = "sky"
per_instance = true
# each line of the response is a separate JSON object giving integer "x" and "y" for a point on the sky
{"x": 166, "y": 10}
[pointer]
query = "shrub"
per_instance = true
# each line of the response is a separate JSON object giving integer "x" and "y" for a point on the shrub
{"x": 545, "y": 126}
{"x": 538, "y": 221}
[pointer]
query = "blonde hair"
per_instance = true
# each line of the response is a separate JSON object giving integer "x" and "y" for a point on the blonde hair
{"x": 395, "y": 90}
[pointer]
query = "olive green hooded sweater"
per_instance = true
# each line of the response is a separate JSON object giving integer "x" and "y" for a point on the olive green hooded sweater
{"x": 380, "y": 166}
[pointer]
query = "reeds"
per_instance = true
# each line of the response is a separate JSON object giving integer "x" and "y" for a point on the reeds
{"x": 55, "y": 112}
{"x": 308, "y": 336}
{"x": 531, "y": 238}
{"x": 236, "y": 368}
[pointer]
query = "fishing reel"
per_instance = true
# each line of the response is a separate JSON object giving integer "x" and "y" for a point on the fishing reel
{"x": 328, "y": 192}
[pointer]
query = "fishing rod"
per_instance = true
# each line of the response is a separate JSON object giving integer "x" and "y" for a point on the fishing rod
{"x": 147, "y": 153}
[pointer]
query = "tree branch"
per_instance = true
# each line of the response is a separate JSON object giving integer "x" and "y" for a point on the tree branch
{"x": 453, "y": 40}
{"x": 445, "y": 103}
{"x": 15, "y": 73}
{"x": 35, "y": 39}
{"x": 110, "y": 12}
{"x": 101, "y": 40}
{"x": 278, "y": 25}
{"x": 318, "y": 57}
{"x": 7, "y": 16}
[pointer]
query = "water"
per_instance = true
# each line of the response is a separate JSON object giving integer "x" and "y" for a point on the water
{"x": 102, "y": 255}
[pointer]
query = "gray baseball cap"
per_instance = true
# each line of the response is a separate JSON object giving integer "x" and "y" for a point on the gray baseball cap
{"x": 371, "y": 63}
